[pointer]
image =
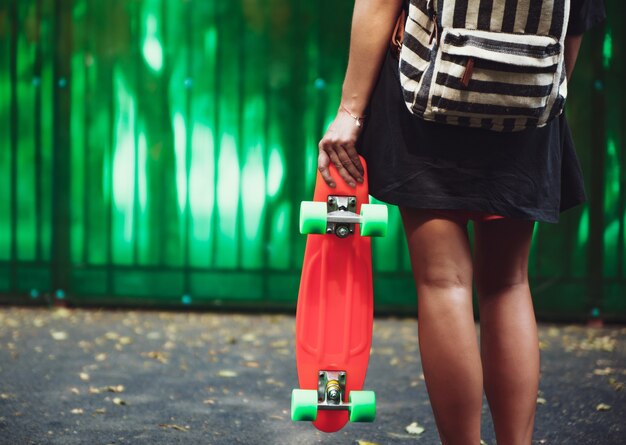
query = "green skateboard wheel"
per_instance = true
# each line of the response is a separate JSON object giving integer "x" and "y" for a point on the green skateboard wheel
{"x": 373, "y": 220}
{"x": 303, "y": 404}
{"x": 362, "y": 406}
{"x": 313, "y": 217}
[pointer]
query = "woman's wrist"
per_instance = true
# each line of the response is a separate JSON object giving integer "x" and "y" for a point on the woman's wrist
{"x": 358, "y": 118}
{"x": 355, "y": 104}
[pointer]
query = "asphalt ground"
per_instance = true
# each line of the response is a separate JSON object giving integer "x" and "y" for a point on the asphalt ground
{"x": 74, "y": 376}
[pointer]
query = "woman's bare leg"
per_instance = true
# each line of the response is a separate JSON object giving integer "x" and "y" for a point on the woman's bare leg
{"x": 442, "y": 267}
{"x": 508, "y": 331}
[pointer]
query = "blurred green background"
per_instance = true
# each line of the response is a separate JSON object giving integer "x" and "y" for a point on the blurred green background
{"x": 154, "y": 152}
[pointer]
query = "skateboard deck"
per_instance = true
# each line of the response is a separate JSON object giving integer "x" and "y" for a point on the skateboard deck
{"x": 334, "y": 313}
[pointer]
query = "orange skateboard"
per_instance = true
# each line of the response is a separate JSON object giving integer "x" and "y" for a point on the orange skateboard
{"x": 335, "y": 305}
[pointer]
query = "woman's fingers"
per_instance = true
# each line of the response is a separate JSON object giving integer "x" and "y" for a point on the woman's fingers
{"x": 323, "y": 160}
{"x": 350, "y": 161}
{"x": 345, "y": 166}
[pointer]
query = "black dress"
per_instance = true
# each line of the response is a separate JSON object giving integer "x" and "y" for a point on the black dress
{"x": 532, "y": 174}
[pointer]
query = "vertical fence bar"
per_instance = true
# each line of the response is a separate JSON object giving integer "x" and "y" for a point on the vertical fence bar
{"x": 14, "y": 143}
{"x": 108, "y": 159}
{"x": 38, "y": 139}
{"x": 189, "y": 126}
{"x": 240, "y": 122}
{"x": 294, "y": 140}
{"x": 61, "y": 148}
{"x": 217, "y": 76}
{"x": 270, "y": 206}
{"x": 597, "y": 168}
{"x": 617, "y": 69}
{"x": 87, "y": 120}
{"x": 135, "y": 13}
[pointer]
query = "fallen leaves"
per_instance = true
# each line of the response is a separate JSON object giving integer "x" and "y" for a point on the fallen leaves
{"x": 605, "y": 343}
{"x": 605, "y": 371}
{"x": 273, "y": 382}
{"x": 603, "y": 407}
{"x": 173, "y": 426}
{"x": 615, "y": 384}
{"x": 114, "y": 389}
{"x": 218, "y": 350}
{"x": 251, "y": 364}
{"x": 161, "y": 357}
{"x": 58, "y": 335}
{"x": 415, "y": 429}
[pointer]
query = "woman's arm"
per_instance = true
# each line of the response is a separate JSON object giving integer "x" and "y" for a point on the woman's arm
{"x": 372, "y": 24}
{"x": 572, "y": 45}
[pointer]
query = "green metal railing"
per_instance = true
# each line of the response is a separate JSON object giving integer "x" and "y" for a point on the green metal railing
{"x": 156, "y": 151}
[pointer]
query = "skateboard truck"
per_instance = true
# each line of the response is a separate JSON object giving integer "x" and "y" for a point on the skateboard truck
{"x": 342, "y": 215}
{"x": 331, "y": 387}
{"x": 330, "y": 394}
{"x": 337, "y": 216}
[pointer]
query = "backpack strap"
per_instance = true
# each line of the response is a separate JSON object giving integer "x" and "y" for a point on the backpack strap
{"x": 397, "y": 37}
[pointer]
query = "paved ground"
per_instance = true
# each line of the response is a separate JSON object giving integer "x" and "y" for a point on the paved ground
{"x": 141, "y": 377}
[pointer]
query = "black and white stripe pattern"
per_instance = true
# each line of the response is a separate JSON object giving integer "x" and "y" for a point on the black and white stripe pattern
{"x": 495, "y": 64}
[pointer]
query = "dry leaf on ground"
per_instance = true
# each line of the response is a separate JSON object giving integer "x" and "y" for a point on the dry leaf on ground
{"x": 174, "y": 427}
{"x": 603, "y": 407}
{"x": 157, "y": 355}
{"x": 415, "y": 428}
{"x": 615, "y": 384}
{"x": 59, "y": 335}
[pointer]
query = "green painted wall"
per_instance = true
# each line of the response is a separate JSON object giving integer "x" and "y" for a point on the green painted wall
{"x": 156, "y": 151}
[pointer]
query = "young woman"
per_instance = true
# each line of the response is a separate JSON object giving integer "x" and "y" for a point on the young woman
{"x": 441, "y": 177}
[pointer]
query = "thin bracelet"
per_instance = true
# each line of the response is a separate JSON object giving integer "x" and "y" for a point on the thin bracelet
{"x": 358, "y": 120}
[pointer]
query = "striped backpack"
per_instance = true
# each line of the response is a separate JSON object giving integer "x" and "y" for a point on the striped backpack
{"x": 492, "y": 64}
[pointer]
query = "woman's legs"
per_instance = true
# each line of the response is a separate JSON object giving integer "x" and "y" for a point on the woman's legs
{"x": 508, "y": 331}
{"x": 442, "y": 267}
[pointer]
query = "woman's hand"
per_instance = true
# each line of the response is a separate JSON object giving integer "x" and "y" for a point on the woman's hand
{"x": 339, "y": 147}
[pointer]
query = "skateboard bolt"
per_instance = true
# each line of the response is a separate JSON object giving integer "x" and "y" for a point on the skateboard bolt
{"x": 333, "y": 395}
{"x": 342, "y": 231}
{"x": 352, "y": 201}
{"x": 333, "y": 389}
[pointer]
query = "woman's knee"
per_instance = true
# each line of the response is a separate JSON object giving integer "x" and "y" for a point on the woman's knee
{"x": 501, "y": 259}
{"x": 489, "y": 285}
{"x": 444, "y": 275}
{"x": 439, "y": 251}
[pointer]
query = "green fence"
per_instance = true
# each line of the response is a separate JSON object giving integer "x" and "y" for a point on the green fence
{"x": 154, "y": 152}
